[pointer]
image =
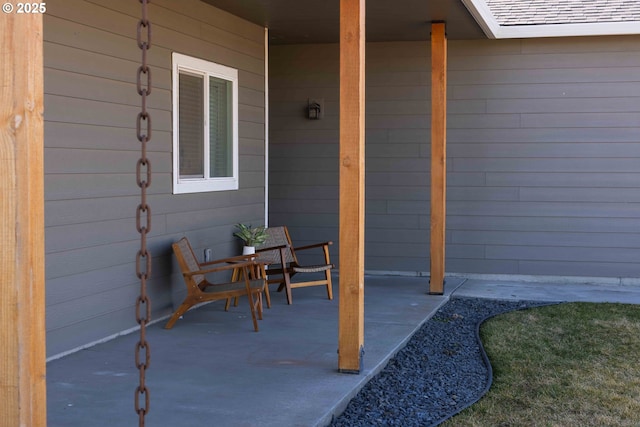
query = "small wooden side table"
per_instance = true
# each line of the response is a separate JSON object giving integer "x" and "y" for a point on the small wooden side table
{"x": 257, "y": 272}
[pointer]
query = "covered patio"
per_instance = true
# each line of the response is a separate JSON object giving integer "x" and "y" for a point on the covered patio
{"x": 541, "y": 158}
{"x": 212, "y": 369}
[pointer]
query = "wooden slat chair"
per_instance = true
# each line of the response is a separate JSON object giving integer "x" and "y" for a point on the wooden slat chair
{"x": 200, "y": 290}
{"x": 279, "y": 254}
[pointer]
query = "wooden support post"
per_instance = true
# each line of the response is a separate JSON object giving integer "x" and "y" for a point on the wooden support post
{"x": 438, "y": 155}
{"x": 22, "y": 293}
{"x": 351, "y": 311}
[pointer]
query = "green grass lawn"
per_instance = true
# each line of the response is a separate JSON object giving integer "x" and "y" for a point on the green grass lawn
{"x": 574, "y": 364}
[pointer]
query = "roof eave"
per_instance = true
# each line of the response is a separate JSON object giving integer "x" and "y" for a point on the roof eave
{"x": 567, "y": 30}
{"x": 483, "y": 16}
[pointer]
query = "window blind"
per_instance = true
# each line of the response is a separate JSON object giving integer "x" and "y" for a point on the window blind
{"x": 191, "y": 125}
{"x": 220, "y": 128}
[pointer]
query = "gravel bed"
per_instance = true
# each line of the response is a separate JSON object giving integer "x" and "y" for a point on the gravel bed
{"x": 441, "y": 371}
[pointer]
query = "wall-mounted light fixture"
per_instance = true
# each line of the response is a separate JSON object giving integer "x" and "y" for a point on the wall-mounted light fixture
{"x": 314, "y": 109}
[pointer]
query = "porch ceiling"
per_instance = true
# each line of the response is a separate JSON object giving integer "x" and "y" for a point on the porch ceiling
{"x": 307, "y": 21}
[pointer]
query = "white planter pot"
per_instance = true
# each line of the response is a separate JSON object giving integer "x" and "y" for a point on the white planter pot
{"x": 248, "y": 250}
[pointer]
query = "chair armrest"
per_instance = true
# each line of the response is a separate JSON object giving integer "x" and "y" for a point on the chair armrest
{"x": 271, "y": 248}
{"x": 230, "y": 266}
{"x": 316, "y": 245}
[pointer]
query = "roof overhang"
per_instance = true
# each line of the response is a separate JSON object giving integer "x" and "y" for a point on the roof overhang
{"x": 312, "y": 21}
{"x": 492, "y": 28}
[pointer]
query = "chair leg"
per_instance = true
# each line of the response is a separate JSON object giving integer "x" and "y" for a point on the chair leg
{"x": 235, "y": 276}
{"x": 259, "y": 304}
{"x": 228, "y": 303}
{"x": 184, "y": 307}
{"x": 253, "y": 311}
{"x": 287, "y": 285}
{"x": 329, "y": 286}
{"x": 267, "y": 295}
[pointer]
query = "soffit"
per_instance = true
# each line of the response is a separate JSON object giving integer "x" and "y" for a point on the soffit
{"x": 306, "y": 21}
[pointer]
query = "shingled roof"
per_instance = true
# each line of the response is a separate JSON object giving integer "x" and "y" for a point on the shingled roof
{"x": 501, "y": 19}
{"x": 541, "y": 12}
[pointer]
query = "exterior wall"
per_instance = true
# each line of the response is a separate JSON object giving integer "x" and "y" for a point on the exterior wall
{"x": 91, "y": 103}
{"x": 543, "y": 167}
{"x": 303, "y": 165}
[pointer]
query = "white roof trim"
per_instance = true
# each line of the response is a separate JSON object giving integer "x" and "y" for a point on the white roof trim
{"x": 568, "y": 30}
{"x": 483, "y": 16}
{"x": 494, "y": 30}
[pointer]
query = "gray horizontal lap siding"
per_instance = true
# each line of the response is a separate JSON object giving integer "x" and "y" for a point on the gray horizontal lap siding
{"x": 303, "y": 167}
{"x": 91, "y": 103}
{"x": 543, "y": 154}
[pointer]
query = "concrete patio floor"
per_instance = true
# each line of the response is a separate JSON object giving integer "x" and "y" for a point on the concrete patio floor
{"x": 212, "y": 369}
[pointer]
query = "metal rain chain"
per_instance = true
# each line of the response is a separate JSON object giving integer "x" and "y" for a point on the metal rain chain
{"x": 143, "y": 215}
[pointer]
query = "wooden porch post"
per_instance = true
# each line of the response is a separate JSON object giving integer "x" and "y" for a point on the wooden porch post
{"x": 438, "y": 155}
{"x": 22, "y": 308}
{"x": 351, "y": 311}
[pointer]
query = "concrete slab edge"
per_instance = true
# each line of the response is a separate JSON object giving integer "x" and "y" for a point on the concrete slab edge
{"x": 340, "y": 406}
{"x": 103, "y": 340}
{"x": 590, "y": 280}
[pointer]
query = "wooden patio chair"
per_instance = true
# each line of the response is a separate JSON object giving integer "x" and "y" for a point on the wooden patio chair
{"x": 279, "y": 254}
{"x": 200, "y": 290}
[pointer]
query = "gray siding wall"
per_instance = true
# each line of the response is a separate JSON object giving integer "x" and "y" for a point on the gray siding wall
{"x": 91, "y": 103}
{"x": 543, "y": 154}
{"x": 303, "y": 154}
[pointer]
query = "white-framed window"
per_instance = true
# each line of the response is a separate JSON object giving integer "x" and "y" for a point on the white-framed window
{"x": 205, "y": 126}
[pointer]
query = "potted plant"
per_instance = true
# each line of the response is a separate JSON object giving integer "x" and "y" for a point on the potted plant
{"x": 251, "y": 237}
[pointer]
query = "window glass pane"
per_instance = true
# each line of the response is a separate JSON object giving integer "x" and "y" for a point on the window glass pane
{"x": 191, "y": 125}
{"x": 220, "y": 128}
